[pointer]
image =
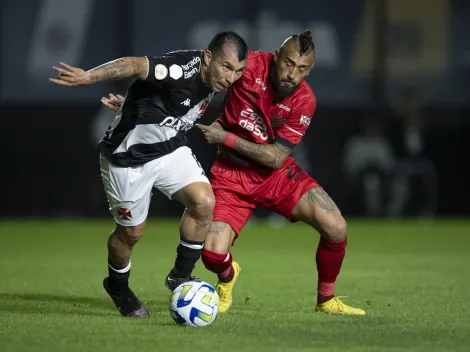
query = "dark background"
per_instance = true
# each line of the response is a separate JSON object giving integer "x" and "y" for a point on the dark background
{"x": 368, "y": 54}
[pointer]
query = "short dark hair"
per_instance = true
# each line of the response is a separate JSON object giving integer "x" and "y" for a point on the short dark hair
{"x": 220, "y": 39}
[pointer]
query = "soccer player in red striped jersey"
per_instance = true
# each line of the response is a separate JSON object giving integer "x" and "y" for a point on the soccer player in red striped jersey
{"x": 266, "y": 114}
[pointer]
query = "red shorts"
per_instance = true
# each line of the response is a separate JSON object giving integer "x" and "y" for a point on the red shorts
{"x": 239, "y": 190}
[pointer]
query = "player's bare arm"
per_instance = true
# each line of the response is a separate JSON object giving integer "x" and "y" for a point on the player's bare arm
{"x": 270, "y": 155}
{"x": 125, "y": 67}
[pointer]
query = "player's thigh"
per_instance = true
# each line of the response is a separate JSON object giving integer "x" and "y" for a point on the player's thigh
{"x": 180, "y": 169}
{"x": 284, "y": 189}
{"x": 128, "y": 191}
{"x": 220, "y": 238}
{"x": 318, "y": 210}
{"x": 231, "y": 209}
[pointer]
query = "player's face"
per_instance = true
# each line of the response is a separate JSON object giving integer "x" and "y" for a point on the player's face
{"x": 224, "y": 68}
{"x": 290, "y": 69}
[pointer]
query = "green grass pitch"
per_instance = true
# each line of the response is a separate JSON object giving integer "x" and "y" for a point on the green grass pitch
{"x": 411, "y": 277}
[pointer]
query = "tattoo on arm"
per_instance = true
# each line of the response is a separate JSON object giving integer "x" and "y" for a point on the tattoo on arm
{"x": 121, "y": 68}
{"x": 270, "y": 155}
{"x": 319, "y": 197}
{"x": 217, "y": 228}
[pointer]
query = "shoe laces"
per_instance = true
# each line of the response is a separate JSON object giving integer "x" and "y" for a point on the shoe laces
{"x": 338, "y": 305}
{"x": 221, "y": 290}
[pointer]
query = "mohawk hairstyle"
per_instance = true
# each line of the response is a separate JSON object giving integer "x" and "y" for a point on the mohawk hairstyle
{"x": 305, "y": 41}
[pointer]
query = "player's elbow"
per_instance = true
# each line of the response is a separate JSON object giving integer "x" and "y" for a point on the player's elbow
{"x": 278, "y": 154}
{"x": 277, "y": 161}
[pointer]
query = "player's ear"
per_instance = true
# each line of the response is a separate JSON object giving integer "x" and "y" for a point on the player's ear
{"x": 207, "y": 57}
{"x": 276, "y": 55}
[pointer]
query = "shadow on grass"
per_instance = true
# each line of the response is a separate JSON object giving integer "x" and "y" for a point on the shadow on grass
{"x": 44, "y": 303}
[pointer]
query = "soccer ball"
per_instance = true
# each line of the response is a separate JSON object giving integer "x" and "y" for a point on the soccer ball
{"x": 194, "y": 303}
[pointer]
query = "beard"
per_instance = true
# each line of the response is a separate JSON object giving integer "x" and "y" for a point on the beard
{"x": 281, "y": 86}
{"x": 286, "y": 88}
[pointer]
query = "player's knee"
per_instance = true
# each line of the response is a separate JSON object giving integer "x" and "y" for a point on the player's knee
{"x": 130, "y": 235}
{"x": 202, "y": 206}
{"x": 336, "y": 229}
{"x": 217, "y": 243}
{"x": 216, "y": 262}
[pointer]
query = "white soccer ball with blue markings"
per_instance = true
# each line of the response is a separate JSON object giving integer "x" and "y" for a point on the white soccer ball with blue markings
{"x": 194, "y": 303}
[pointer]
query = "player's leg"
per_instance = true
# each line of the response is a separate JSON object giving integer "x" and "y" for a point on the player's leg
{"x": 318, "y": 210}
{"x": 233, "y": 208}
{"x": 128, "y": 203}
{"x": 300, "y": 198}
{"x": 183, "y": 179}
{"x": 120, "y": 245}
{"x": 228, "y": 220}
{"x": 217, "y": 258}
{"x": 230, "y": 215}
{"x": 198, "y": 198}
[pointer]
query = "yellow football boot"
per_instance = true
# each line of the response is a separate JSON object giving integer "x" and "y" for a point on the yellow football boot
{"x": 224, "y": 289}
{"x": 336, "y": 306}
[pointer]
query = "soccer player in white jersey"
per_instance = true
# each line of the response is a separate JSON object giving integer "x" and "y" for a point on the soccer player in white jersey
{"x": 146, "y": 147}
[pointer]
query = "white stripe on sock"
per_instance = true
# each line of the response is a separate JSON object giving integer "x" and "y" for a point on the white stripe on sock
{"x": 192, "y": 246}
{"x": 227, "y": 258}
{"x": 123, "y": 270}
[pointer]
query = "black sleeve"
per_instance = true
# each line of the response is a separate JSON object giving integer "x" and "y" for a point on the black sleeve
{"x": 174, "y": 68}
{"x": 285, "y": 142}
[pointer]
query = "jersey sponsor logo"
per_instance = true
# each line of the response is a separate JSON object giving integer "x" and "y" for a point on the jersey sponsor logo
{"x": 186, "y": 122}
{"x": 191, "y": 67}
{"x": 284, "y": 107}
{"x": 176, "y": 72}
{"x": 187, "y": 102}
{"x": 189, "y": 74}
{"x": 160, "y": 72}
{"x": 304, "y": 120}
{"x": 254, "y": 123}
{"x": 176, "y": 123}
{"x": 261, "y": 83}
{"x": 191, "y": 63}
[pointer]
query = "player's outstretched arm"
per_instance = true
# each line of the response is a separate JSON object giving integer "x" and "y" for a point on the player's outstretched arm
{"x": 125, "y": 67}
{"x": 270, "y": 155}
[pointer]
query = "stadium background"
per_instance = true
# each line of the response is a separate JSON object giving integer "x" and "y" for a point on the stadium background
{"x": 368, "y": 52}
{"x": 409, "y": 274}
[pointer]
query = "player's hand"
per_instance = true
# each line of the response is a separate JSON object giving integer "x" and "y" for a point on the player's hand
{"x": 214, "y": 133}
{"x": 113, "y": 102}
{"x": 70, "y": 76}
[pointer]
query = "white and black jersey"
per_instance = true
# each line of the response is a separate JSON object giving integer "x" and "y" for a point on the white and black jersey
{"x": 158, "y": 111}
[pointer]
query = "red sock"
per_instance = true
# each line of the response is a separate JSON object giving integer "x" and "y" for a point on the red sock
{"x": 330, "y": 256}
{"x": 227, "y": 275}
{"x": 221, "y": 264}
